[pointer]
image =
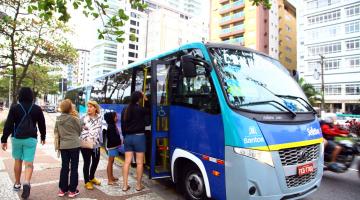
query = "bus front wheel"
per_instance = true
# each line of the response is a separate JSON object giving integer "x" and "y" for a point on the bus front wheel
{"x": 193, "y": 183}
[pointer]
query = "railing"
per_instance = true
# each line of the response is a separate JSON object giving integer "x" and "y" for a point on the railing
{"x": 233, "y": 29}
{"x": 235, "y": 40}
{"x": 230, "y": 17}
{"x": 230, "y": 5}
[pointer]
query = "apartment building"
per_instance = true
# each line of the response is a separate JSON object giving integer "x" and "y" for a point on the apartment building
{"x": 331, "y": 29}
{"x": 272, "y": 31}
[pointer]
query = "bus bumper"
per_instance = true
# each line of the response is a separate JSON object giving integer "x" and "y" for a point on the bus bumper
{"x": 247, "y": 178}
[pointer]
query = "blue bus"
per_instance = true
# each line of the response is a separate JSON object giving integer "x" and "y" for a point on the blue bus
{"x": 227, "y": 122}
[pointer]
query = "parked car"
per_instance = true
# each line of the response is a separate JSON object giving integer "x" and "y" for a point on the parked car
{"x": 50, "y": 109}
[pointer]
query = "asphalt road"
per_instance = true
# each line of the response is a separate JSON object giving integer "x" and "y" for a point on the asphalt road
{"x": 345, "y": 186}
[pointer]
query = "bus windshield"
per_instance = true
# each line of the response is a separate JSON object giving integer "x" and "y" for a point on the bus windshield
{"x": 258, "y": 83}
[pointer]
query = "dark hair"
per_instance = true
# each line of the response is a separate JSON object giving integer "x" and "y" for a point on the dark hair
{"x": 26, "y": 95}
{"x": 134, "y": 99}
{"x": 109, "y": 117}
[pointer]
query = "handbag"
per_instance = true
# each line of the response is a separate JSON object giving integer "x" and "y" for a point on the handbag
{"x": 87, "y": 144}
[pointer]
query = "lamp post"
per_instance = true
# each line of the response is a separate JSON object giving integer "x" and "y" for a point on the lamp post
{"x": 322, "y": 82}
{"x": 9, "y": 75}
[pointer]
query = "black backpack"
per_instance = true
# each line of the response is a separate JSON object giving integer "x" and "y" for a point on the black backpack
{"x": 26, "y": 127}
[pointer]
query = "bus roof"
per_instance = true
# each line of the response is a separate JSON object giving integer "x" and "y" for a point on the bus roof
{"x": 183, "y": 47}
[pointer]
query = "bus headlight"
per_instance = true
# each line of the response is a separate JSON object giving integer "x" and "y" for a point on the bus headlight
{"x": 322, "y": 149}
{"x": 262, "y": 156}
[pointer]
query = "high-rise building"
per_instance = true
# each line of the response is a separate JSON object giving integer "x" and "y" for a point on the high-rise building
{"x": 189, "y": 7}
{"x": 331, "y": 29}
{"x": 169, "y": 28}
{"x": 270, "y": 31}
{"x": 108, "y": 54}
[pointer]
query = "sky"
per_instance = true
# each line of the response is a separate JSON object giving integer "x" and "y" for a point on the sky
{"x": 85, "y": 29}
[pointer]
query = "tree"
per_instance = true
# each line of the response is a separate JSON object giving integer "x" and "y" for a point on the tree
{"x": 28, "y": 40}
{"x": 42, "y": 80}
{"x": 309, "y": 91}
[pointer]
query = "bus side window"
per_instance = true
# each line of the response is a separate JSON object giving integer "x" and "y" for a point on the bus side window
{"x": 196, "y": 92}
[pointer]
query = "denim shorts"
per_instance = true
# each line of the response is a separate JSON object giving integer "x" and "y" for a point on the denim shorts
{"x": 23, "y": 149}
{"x": 113, "y": 152}
{"x": 135, "y": 143}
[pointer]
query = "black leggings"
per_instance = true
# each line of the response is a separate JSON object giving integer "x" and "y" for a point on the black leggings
{"x": 93, "y": 156}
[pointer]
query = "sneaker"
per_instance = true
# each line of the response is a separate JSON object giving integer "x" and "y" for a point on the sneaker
{"x": 73, "y": 194}
{"x": 26, "y": 191}
{"x": 95, "y": 181}
{"x": 89, "y": 186}
{"x": 61, "y": 193}
{"x": 17, "y": 187}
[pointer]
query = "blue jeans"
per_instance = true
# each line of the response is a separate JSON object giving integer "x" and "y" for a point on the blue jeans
{"x": 135, "y": 143}
{"x": 69, "y": 156}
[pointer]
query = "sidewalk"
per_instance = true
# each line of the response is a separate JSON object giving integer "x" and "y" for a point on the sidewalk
{"x": 46, "y": 174}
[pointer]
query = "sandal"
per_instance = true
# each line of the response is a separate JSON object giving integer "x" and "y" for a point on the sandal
{"x": 141, "y": 188}
{"x": 126, "y": 189}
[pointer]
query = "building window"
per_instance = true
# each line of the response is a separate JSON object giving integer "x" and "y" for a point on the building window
{"x": 133, "y": 30}
{"x": 353, "y": 10}
{"x": 352, "y": 27}
{"x": 353, "y": 62}
{"x": 112, "y": 46}
{"x": 332, "y": 89}
{"x": 109, "y": 52}
{"x": 133, "y": 46}
{"x": 111, "y": 59}
{"x": 288, "y": 38}
{"x": 133, "y": 15}
{"x": 288, "y": 60}
{"x": 133, "y": 22}
{"x": 133, "y": 55}
{"x": 331, "y": 64}
{"x": 324, "y": 49}
{"x": 326, "y": 17}
{"x": 288, "y": 49}
{"x": 288, "y": 28}
{"x": 352, "y": 89}
{"x": 353, "y": 44}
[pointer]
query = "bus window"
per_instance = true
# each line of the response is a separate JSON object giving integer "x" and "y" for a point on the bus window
{"x": 196, "y": 92}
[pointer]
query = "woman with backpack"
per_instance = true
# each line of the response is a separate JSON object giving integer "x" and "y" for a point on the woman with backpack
{"x": 21, "y": 125}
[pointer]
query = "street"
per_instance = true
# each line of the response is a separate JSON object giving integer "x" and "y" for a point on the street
{"x": 47, "y": 166}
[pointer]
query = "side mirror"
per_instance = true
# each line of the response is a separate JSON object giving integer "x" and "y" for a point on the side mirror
{"x": 188, "y": 64}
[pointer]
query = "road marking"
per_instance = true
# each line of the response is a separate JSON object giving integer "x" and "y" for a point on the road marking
{"x": 353, "y": 169}
{"x": 6, "y": 191}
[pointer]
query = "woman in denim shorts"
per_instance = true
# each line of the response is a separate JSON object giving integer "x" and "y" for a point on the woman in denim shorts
{"x": 133, "y": 128}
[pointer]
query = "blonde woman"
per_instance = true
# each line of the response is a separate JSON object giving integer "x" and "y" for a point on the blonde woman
{"x": 67, "y": 130}
{"x": 90, "y": 143}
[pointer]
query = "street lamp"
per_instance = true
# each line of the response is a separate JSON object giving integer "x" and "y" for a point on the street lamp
{"x": 9, "y": 75}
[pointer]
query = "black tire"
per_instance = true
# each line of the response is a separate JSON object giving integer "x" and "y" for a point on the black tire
{"x": 347, "y": 160}
{"x": 193, "y": 183}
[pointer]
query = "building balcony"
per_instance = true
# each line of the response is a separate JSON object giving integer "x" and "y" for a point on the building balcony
{"x": 236, "y": 30}
{"x": 238, "y": 40}
{"x": 232, "y": 7}
{"x": 238, "y": 17}
{"x": 223, "y": 1}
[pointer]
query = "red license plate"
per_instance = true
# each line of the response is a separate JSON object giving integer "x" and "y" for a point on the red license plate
{"x": 305, "y": 169}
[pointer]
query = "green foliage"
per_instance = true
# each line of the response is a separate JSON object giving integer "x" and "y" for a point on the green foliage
{"x": 90, "y": 8}
{"x": 2, "y": 123}
{"x": 30, "y": 37}
{"x": 310, "y": 92}
{"x": 265, "y": 3}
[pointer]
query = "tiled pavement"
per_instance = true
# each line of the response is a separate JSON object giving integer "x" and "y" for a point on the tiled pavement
{"x": 45, "y": 178}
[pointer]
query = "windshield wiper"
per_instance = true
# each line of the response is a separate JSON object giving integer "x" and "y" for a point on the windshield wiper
{"x": 296, "y": 98}
{"x": 293, "y": 114}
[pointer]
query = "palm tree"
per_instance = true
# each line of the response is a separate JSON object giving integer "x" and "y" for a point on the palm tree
{"x": 310, "y": 92}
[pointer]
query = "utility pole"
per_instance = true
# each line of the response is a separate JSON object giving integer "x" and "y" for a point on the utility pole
{"x": 322, "y": 83}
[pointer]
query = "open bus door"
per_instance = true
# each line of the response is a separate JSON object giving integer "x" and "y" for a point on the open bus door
{"x": 160, "y": 157}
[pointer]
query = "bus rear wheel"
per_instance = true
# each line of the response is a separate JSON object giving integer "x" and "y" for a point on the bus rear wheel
{"x": 193, "y": 184}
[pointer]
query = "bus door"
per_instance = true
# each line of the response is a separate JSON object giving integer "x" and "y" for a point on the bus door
{"x": 160, "y": 157}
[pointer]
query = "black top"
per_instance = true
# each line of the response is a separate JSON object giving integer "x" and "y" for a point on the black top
{"x": 15, "y": 115}
{"x": 135, "y": 120}
{"x": 112, "y": 136}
